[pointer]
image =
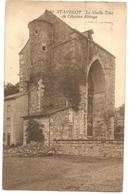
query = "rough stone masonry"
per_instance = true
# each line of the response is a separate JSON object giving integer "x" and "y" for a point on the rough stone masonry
{"x": 70, "y": 82}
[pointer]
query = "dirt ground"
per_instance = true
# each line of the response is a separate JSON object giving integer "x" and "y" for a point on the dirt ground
{"x": 62, "y": 173}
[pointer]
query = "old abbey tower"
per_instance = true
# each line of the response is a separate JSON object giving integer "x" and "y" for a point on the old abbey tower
{"x": 69, "y": 80}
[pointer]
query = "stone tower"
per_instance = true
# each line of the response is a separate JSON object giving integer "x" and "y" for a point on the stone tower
{"x": 41, "y": 43}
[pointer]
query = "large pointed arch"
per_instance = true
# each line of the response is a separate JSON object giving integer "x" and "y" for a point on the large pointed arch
{"x": 96, "y": 58}
{"x": 95, "y": 93}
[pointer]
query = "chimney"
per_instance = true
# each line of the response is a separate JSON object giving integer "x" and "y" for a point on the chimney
{"x": 88, "y": 34}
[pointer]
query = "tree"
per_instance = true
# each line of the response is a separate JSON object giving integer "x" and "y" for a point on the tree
{"x": 10, "y": 89}
{"x": 119, "y": 122}
{"x": 122, "y": 110}
{"x": 34, "y": 131}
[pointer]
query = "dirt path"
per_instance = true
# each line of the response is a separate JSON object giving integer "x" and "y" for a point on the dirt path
{"x": 63, "y": 173}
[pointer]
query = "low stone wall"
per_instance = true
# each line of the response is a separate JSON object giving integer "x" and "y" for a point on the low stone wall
{"x": 98, "y": 148}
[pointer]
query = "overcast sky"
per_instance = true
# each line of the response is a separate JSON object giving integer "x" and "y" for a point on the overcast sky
{"x": 107, "y": 23}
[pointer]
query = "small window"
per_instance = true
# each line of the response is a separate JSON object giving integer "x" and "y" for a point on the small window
{"x": 8, "y": 118}
{"x": 43, "y": 47}
{"x": 4, "y": 137}
{"x": 36, "y": 31}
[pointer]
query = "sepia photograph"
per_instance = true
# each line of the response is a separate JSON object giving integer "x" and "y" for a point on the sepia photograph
{"x": 64, "y": 76}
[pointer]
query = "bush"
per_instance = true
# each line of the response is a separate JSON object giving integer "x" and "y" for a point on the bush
{"x": 34, "y": 131}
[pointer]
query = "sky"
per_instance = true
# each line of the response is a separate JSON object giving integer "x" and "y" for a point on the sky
{"x": 106, "y": 19}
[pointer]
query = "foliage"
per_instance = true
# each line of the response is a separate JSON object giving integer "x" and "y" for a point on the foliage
{"x": 107, "y": 115}
{"x": 122, "y": 110}
{"x": 10, "y": 89}
{"x": 34, "y": 131}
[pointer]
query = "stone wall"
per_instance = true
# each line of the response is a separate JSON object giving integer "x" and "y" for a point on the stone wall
{"x": 90, "y": 148}
{"x": 60, "y": 125}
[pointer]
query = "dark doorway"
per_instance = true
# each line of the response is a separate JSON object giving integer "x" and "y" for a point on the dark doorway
{"x": 8, "y": 139}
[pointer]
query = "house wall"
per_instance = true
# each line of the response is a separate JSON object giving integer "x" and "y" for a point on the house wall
{"x": 8, "y": 121}
{"x": 20, "y": 109}
{"x": 14, "y": 109}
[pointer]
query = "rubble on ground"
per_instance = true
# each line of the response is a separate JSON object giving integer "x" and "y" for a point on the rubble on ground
{"x": 33, "y": 149}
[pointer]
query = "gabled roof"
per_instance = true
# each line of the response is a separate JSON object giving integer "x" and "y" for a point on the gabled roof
{"x": 51, "y": 18}
{"x": 47, "y": 16}
{"x": 14, "y": 96}
{"x": 24, "y": 46}
{"x": 47, "y": 113}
